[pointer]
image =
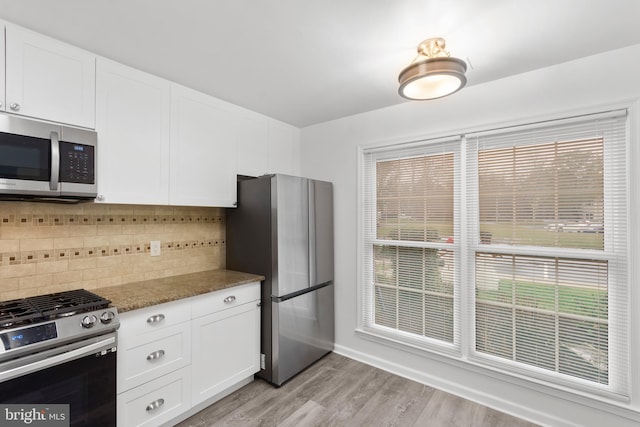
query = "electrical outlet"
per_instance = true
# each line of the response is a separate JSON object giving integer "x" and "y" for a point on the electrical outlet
{"x": 155, "y": 248}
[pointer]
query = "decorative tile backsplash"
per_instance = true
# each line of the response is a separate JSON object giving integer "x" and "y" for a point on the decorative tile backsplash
{"x": 52, "y": 247}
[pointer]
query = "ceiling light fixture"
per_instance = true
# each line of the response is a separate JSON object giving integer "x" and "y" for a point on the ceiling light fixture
{"x": 433, "y": 73}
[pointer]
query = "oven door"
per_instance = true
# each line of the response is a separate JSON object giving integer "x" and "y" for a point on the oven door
{"x": 82, "y": 375}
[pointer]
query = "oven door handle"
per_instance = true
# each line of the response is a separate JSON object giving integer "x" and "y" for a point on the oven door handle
{"x": 58, "y": 359}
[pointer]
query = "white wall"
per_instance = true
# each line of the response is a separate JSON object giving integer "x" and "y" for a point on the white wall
{"x": 329, "y": 152}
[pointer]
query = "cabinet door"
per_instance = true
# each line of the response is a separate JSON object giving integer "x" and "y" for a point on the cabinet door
{"x": 203, "y": 151}
{"x": 2, "y": 67}
{"x": 284, "y": 148}
{"x": 49, "y": 79}
{"x": 132, "y": 120}
{"x": 253, "y": 145}
{"x": 226, "y": 349}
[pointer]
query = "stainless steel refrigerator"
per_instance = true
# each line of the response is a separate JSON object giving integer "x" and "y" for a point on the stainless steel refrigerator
{"x": 282, "y": 229}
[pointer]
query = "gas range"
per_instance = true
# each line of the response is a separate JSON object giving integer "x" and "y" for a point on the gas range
{"x": 34, "y": 324}
{"x": 60, "y": 349}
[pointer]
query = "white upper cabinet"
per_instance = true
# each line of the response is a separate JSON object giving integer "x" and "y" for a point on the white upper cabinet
{"x": 284, "y": 141}
{"x": 267, "y": 146}
{"x": 158, "y": 142}
{"x": 203, "y": 150}
{"x": 133, "y": 123}
{"x": 2, "y": 80}
{"x": 253, "y": 147}
{"x": 48, "y": 79}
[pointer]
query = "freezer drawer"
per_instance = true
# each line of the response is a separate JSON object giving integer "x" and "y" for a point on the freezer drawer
{"x": 303, "y": 332}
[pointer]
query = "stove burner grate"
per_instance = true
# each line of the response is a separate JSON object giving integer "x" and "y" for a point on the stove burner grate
{"x": 47, "y": 307}
{"x": 16, "y": 312}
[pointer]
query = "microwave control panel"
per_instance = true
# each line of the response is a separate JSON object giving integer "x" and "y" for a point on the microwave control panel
{"x": 77, "y": 163}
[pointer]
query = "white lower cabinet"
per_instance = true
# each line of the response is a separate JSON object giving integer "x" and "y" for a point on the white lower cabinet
{"x": 157, "y": 401}
{"x": 226, "y": 343}
{"x": 176, "y": 358}
{"x": 154, "y": 355}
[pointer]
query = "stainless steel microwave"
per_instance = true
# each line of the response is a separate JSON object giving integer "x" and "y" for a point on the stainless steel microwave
{"x": 45, "y": 161}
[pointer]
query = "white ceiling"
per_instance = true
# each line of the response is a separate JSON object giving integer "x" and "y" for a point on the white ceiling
{"x": 309, "y": 61}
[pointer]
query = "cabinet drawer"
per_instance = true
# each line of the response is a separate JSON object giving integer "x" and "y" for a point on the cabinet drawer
{"x": 225, "y": 299}
{"x": 134, "y": 323}
{"x": 156, "y": 402}
{"x": 144, "y": 358}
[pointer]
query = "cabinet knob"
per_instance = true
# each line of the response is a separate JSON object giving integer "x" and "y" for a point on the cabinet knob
{"x": 230, "y": 299}
{"x": 155, "y": 405}
{"x": 0, "y": 104}
{"x": 155, "y": 355}
{"x": 156, "y": 318}
{"x": 15, "y": 106}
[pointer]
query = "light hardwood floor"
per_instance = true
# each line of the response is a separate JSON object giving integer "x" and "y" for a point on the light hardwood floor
{"x": 338, "y": 391}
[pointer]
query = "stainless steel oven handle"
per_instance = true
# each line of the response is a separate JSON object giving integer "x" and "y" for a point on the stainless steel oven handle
{"x": 58, "y": 359}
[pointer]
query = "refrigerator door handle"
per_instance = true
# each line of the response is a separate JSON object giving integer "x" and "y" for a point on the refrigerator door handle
{"x": 275, "y": 298}
{"x": 313, "y": 272}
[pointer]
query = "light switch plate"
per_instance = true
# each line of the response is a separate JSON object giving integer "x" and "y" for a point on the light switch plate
{"x": 155, "y": 248}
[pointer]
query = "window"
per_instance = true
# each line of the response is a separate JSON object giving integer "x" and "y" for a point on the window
{"x": 412, "y": 210}
{"x": 543, "y": 243}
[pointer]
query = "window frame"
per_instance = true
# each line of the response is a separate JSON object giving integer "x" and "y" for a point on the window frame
{"x": 366, "y": 302}
{"x": 466, "y": 244}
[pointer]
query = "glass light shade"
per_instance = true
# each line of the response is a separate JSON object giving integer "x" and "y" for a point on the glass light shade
{"x": 432, "y": 78}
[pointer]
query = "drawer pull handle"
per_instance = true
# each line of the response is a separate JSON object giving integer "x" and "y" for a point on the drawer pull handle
{"x": 155, "y": 405}
{"x": 155, "y": 355}
{"x": 155, "y": 319}
{"x": 230, "y": 299}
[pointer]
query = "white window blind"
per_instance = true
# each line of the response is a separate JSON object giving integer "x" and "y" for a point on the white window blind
{"x": 547, "y": 233}
{"x": 544, "y": 285}
{"x": 411, "y": 220}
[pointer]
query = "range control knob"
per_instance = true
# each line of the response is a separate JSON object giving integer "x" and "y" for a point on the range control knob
{"x": 107, "y": 317}
{"x": 89, "y": 321}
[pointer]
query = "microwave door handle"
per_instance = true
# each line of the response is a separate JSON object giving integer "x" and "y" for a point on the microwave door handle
{"x": 55, "y": 161}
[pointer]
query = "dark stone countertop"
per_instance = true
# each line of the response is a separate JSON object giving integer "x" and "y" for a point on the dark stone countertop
{"x": 132, "y": 296}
